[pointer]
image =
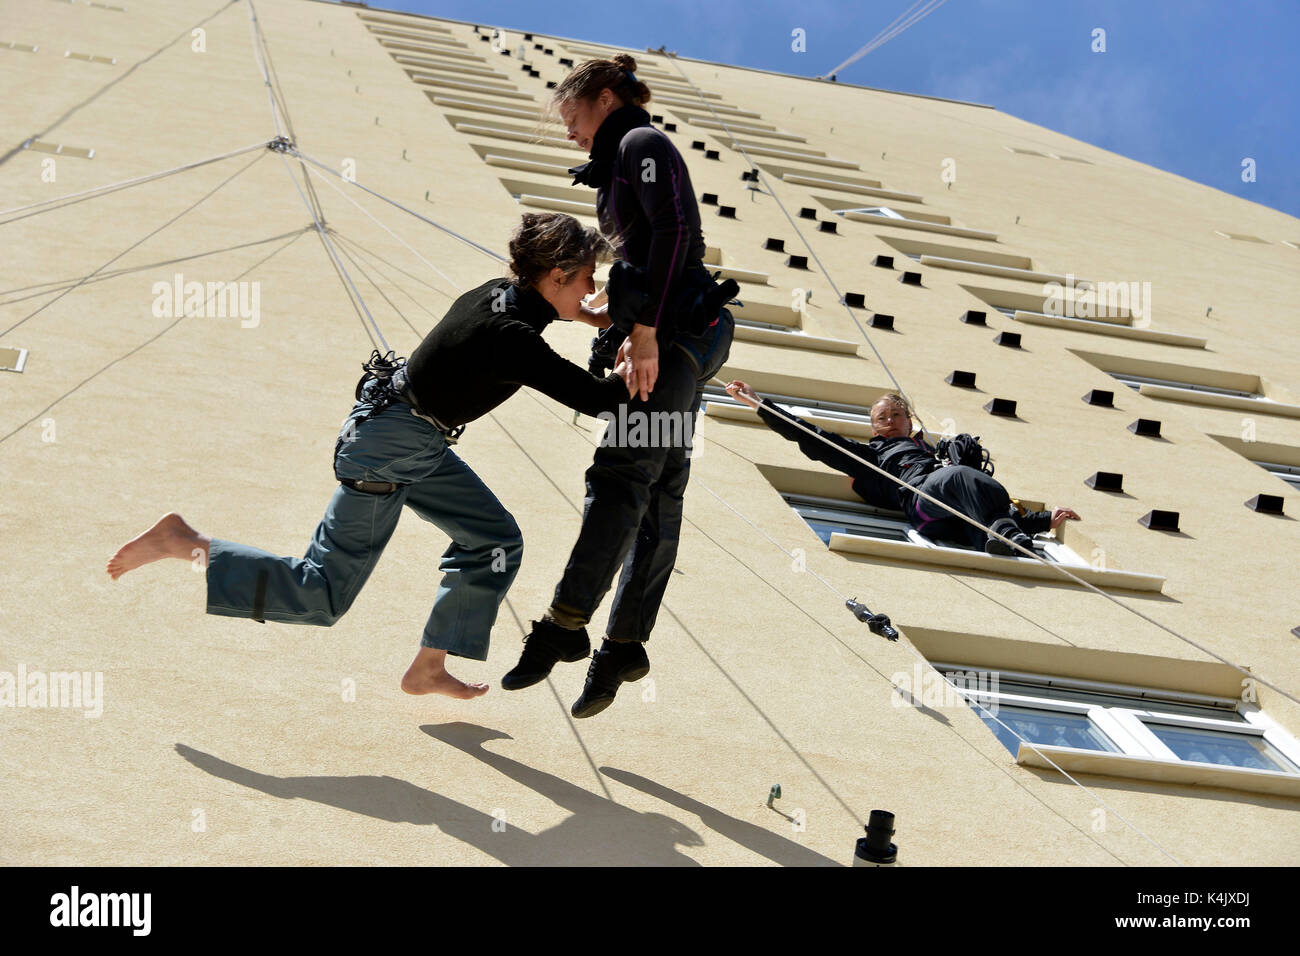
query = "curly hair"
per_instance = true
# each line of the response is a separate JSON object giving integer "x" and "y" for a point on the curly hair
{"x": 549, "y": 240}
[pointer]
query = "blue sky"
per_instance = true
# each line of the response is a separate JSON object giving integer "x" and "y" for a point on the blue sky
{"x": 1190, "y": 86}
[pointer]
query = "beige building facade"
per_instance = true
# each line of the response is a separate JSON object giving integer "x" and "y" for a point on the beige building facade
{"x": 885, "y": 241}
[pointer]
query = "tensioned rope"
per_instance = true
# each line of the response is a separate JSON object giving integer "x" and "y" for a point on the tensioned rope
{"x": 343, "y": 272}
{"x": 113, "y": 187}
{"x": 358, "y": 302}
{"x": 450, "y": 281}
{"x": 38, "y": 289}
{"x": 1058, "y": 568}
{"x": 392, "y": 202}
{"x": 354, "y": 292}
{"x": 371, "y": 254}
{"x": 799, "y": 232}
{"x": 133, "y": 245}
{"x": 293, "y": 237}
{"x": 964, "y": 694}
{"x": 1061, "y": 568}
{"x": 262, "y": 55}
{"x": 900, "y": 23}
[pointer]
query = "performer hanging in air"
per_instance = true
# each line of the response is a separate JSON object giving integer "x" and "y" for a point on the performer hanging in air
{"x": 678, "y": 337}
{"x": 394, "y": 450}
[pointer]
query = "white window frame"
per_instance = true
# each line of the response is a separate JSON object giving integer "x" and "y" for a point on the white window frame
{"x": 1288, "y": 473}
{"x": 1136, "y": 381}
{"x": 803, "y": 407}
{"x": 863, "y": 514}
{"x": 1126, "y": 726}
{"x": 882, "y": 211}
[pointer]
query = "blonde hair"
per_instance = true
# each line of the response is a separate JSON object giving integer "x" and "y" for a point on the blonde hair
{"x": 893, "y": 398}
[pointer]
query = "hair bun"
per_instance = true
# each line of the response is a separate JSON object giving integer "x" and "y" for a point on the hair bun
{"x": 626, "y": 62}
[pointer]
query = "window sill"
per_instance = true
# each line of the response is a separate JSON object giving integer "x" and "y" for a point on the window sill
{"x": 743, "y": 413}
{"x": 922, "y": 226}
{"x": 1106, "y": 578}
{"x": 758, "y": 149}
{"x": 1004, "y": 272}
{"x": 796, "y": 340}
{"x": 1104, "y": 327}
{"x": 1263, "y": 406}
{"x": 1164, "y": 771}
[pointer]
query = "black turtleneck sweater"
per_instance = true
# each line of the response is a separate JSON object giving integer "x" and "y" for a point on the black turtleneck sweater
{"x": 487, "y": 345}
{"x": 645, "y": 204}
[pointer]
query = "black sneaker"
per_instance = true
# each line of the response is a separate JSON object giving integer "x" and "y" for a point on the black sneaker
{"x": 546, "y": 644}
{"x": 614, "y": 663}
{"x": 1009, "y": 529}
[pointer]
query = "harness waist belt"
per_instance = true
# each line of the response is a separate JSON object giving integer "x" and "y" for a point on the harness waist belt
{"x": 401, "y": 387}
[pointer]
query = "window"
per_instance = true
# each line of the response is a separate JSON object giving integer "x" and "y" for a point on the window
{"x": 12, "y": 359}
{"x": 1158, "y": 725}
{"x": 874, "y": 211}
{"x": 803, "y": 407}
{"x": 1136, "y": 382}
{"x": 1288, "y": 473}
{"x": 827, "y": 516}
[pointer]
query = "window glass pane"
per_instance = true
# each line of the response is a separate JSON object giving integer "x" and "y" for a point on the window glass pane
{"x": 1221, "y": 747}
{"x": 1046, "y": 727}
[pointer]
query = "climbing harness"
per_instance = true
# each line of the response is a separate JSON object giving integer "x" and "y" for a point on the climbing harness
{"x": 964, "y": 450}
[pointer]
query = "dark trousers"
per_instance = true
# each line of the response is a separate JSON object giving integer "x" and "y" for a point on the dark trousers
{"x": 971, "y": 492}
{"x": 635, "y": 486}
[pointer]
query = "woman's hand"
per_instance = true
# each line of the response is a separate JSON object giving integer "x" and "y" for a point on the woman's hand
{"x": 1060, "y": 515}
{"x": 743, "y": 393}
{"x": 622, "y": 371}
{"x": 642, "y": 352}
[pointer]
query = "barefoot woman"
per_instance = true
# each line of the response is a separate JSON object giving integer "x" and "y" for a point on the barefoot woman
{"x": 393, "y": 450}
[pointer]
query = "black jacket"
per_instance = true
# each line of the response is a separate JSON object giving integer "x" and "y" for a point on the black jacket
{"x": 645, "y": 204}
{"x": 910, "y": 459}
{"x": 487, "y": 345}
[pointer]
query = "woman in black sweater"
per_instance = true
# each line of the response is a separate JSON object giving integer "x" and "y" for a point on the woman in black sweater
{"x": 678, "y": 337}
{"x": 895, "y": 450}
{"x": 394, "y": 450}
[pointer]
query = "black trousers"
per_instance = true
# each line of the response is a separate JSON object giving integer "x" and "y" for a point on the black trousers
{"x": 971, "y": 492}
{"x": 635, "y": 487}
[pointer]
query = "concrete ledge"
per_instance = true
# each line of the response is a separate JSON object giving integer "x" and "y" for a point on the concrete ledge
{"x": 1184, "y": 772}
{"x": 922, "y": 226}
{"x": 560, "y": 205}
{"x": 1261, "y": 406}
{"x": 755, "y": 149}
{"x": 1102, "y": 327}
{"x": 905, "y": 552}
{"x": 984, "y": 268}
{"x": 795, "y": 340}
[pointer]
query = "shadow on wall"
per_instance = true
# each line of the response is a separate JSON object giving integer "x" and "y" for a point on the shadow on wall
{"x": 598, "y": 832}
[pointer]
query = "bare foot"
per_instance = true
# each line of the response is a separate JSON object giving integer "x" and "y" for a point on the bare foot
{"x": 428, "y": 675}
{"x": 170, "y": 537}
